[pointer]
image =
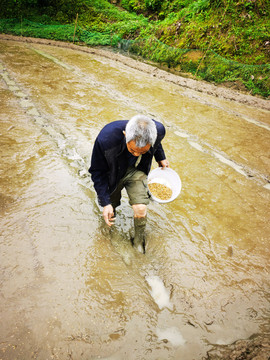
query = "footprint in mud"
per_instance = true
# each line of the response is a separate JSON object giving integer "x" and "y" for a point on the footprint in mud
{"x": 122, "y": 245}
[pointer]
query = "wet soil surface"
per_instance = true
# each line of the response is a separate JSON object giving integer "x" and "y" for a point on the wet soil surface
{"x": 200, "y": 86}
{"x": 73, "y": 289}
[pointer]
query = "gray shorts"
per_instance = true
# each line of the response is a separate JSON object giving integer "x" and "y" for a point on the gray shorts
{"x": 135, "y": 182}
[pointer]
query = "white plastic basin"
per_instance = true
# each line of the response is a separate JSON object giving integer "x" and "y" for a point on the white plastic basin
{"x": 168, "y": 177}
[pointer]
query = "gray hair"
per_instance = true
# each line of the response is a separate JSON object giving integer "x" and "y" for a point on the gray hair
{"x": 142, "y": 130}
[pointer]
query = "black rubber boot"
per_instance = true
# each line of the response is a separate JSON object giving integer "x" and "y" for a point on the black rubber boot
{"x": 139, "y": 238}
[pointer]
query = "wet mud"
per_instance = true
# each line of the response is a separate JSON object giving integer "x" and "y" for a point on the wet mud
{"x": 72, "y": 288}
{"x": 220, "y": 91}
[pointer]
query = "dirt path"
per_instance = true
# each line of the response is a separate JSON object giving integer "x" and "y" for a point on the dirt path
{"x": 201, "y": 86}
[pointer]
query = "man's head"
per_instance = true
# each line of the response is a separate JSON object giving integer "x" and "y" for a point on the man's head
{"x": 141, "y": 134}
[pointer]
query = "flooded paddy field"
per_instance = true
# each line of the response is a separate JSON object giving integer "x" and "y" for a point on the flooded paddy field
{"x": 73, "y": 289}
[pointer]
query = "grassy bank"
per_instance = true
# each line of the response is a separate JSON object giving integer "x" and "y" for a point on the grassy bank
{"x": 218, "y": 41}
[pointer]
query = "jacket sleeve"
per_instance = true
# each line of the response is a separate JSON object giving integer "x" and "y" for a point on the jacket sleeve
{"x": 99, "y": 173}
{"x": 159, "y": 153}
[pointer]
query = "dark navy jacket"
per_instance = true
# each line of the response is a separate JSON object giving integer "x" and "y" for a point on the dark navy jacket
{"x": 109, "y": 162}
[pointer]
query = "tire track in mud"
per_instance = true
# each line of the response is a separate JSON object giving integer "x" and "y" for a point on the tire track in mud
{"x": 206, "y": 148}
{"x": 228, "y": 111}
{"x": 192, "y": 140}
{"x": 64, "y": 146}
{"x": 90, "y": 80}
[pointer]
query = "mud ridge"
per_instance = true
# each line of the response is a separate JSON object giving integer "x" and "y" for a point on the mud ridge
{"x": 200, "y": 86}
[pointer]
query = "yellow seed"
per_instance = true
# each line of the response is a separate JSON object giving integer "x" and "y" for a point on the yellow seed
{"x": 160, "y": 191}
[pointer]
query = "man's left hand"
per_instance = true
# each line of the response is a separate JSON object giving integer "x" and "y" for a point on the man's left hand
{"x": 163, "y": 163}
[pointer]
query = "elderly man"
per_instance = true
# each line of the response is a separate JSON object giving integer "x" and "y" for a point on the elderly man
{"x": 122, "y": 158}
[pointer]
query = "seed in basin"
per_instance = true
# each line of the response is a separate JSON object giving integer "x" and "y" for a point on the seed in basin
{"x": 159, "y": 190}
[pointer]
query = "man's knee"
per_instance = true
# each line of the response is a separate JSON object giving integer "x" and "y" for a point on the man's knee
{"x": 139, "y": 210}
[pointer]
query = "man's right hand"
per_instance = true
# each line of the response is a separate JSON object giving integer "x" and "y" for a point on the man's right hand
{"x": 108, "y": 215}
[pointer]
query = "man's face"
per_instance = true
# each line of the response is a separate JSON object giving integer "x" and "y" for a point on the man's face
{"x": 136, "y": 151}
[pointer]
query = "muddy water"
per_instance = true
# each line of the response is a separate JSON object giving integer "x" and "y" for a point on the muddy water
{"x": 71, "y": 288}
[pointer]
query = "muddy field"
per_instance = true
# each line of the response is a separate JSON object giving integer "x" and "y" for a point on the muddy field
{"x": 73, "y": 289}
